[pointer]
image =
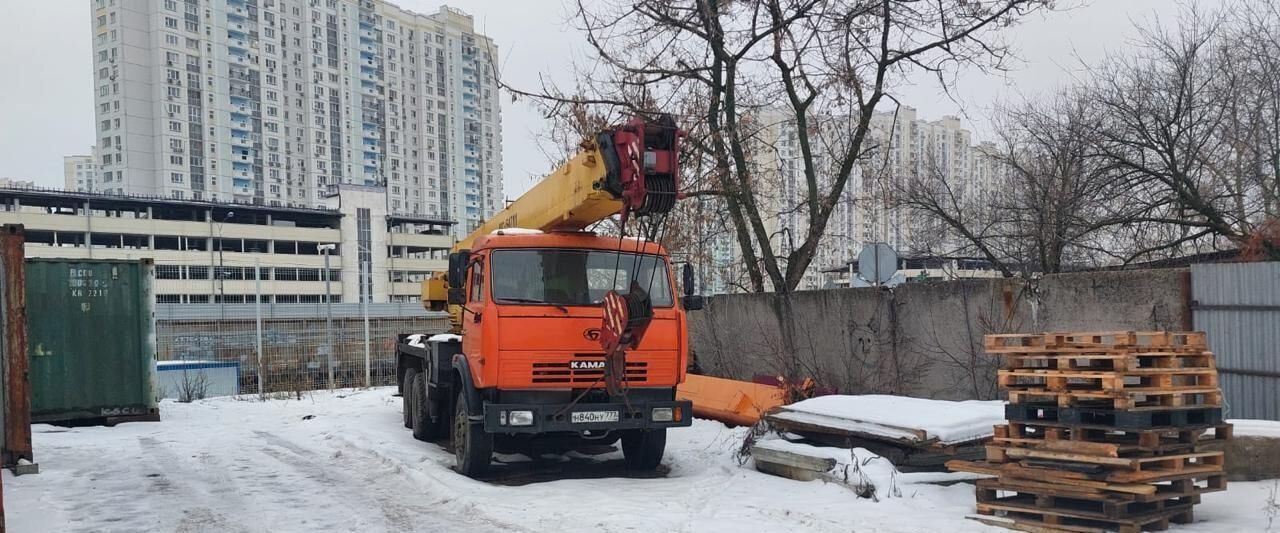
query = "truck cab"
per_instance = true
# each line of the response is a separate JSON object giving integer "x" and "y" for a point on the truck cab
{"x": 528, "y": 368}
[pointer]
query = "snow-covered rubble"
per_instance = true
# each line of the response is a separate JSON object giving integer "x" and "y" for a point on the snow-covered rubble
{"x": 868, "y": 474}
{"x": 900, "y": 417}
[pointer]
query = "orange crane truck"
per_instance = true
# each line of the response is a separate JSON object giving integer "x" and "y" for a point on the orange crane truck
{"x": 561, "y": 335}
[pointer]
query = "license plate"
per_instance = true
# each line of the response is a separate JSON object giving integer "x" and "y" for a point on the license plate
{"x": 589, "y": 417}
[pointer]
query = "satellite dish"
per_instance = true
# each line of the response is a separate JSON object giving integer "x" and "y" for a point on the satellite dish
{"x": 877, "y": 263}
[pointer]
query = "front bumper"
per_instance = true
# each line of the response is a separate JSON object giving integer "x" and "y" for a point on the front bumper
{"x": 549, "y": 418}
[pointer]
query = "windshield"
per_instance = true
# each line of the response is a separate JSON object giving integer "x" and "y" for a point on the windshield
{"x": 575, "y": 277}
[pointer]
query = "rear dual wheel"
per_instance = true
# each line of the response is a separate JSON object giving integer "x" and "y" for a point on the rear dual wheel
{"x": 424, "y": 411}
{"x": 407, "y": 399}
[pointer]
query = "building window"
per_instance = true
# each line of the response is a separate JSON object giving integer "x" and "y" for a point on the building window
{"x": 175, "y": 177}
{"x": 364, "y": 239}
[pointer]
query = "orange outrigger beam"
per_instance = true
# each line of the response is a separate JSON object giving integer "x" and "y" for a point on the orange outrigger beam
{"x": 734, "y": 402}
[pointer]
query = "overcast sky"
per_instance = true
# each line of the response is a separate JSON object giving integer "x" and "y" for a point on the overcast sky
{"x": 46, "y": 85}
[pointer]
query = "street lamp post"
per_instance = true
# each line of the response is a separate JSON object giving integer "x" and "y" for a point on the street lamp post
{"x": 328, "y": 310}
{"x": 364, "y": 310}
{"x": 222, "y": 282}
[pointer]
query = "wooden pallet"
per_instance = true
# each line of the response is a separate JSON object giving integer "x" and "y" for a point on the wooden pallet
{"x": 1040, "y": 521}
{"x": 1137, "y": 465}
{"x": 1106, "y": 380}
{"x": 1163, "y": 491}
{"x": 1150, "y": 340}
{"x": 1124, "y": 400}
{"x": 1092, "y": 501}
{"x": 1124, "y": 441}
{"x": 1102, "y": 340}
{"x": 1208, "y": 480}
{"x": 1107, "y": 361}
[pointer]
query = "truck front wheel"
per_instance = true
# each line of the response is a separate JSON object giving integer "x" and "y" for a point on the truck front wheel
{"x": 472, "y": 447}
{"x": 642, "y": 449}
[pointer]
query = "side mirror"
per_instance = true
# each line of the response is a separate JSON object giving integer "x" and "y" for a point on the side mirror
{"x": 692, "y": 302}
{"x": 686, "y": 279}
{"x": 457, "y": 296}
{"x": 458, "y": 270}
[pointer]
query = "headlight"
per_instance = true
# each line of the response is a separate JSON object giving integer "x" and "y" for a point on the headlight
{"x": 662, "y": 414}
{"x": 521, "y": 418}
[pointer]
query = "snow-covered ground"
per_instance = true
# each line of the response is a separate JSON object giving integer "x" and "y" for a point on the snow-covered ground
{"x": 343, "y": 462}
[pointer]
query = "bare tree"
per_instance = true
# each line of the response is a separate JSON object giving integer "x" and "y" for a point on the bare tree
{"x": 1045, "y": 204}
{"x": 1165, "y": 113}
{"x": 821, "y": 67}
{"x": 1171, "y": 149}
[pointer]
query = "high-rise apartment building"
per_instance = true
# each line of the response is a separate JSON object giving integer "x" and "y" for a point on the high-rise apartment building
{"x": 80, "y": 172}
{"x": 272, "y": 102}
{"x": 900, "y": 147}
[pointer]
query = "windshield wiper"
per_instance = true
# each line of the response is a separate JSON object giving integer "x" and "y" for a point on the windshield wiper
{"x": 536, "y": 301}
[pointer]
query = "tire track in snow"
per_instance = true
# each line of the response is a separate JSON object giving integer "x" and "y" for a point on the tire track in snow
{"x": 471, "y": 511}
{"x": 397, "y": 507}
{"x": 174, "y": 479}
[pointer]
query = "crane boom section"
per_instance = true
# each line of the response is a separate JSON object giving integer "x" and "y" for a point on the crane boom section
{"x": 571, "y": 198}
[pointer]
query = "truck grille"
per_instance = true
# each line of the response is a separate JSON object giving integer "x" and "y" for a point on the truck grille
{"x": 564, "y": 371}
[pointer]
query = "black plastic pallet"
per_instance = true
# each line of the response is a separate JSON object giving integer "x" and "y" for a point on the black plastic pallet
{"x": 1028, "y": 412}
{"x": 1162, "y": 418}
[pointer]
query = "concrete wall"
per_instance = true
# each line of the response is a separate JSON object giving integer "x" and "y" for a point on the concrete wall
{"x": 921, "y": 339}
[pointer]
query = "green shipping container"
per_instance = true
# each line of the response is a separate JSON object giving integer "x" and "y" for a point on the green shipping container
{"x": 91, "y": 336}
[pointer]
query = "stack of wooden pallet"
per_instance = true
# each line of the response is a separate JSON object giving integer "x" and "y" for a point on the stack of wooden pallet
{"x": 1105, "y": 431}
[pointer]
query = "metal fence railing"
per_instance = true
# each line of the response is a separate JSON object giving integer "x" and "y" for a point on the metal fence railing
{"x": 299, "y": 351}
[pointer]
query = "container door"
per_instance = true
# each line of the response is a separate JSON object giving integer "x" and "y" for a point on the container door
{"x": 89, "y": 324}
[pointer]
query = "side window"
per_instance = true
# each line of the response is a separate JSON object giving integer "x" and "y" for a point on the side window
{"x": 477, "y": 282}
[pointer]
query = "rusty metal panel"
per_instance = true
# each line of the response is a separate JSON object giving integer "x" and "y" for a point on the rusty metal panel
{"x": 15, "y": 402}
{"x": 91, "y": 339}
{"x": 1238, "y": 306}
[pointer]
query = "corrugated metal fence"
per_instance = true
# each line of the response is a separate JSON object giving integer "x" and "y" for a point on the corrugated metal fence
{"x": 298, "y": 350}
{"x": 1238, "y": 306}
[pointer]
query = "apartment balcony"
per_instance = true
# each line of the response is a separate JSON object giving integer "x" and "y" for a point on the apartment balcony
{"x": 236, "y": 44}
{"x": 242, "y": 59}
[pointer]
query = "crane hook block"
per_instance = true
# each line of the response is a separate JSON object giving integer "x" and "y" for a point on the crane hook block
{"x": 642, "y": 162}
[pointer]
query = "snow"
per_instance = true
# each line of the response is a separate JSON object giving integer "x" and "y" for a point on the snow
{"x": 516, "y": 231}
{"x": 418, "y": 339}
{"x": 343, "y": 461}
{"x": 1255, "y": 428}
{"x": 895, "y": 416}
{"x": 870, "y": 475}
